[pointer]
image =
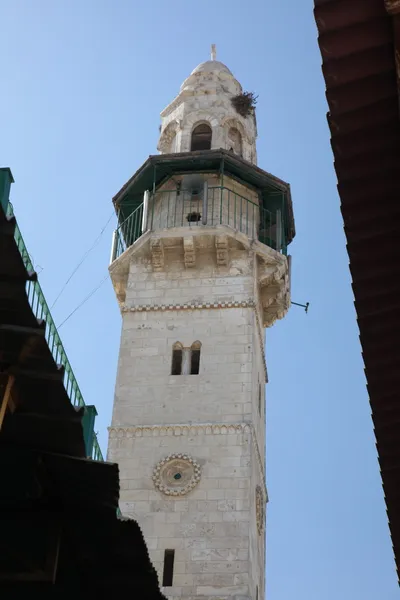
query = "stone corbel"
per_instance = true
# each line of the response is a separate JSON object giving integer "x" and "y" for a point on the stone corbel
{"x": 221, "y": 245}
{"x": 119, "y": 278}
{"x": 157, "y": 254}
{"x": 189, "y": 252}
{"x": 276, "y": 310}
{"x": 274, "y": 291}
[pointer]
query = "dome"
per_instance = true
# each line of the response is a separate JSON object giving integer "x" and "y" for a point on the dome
{"x": 211, "y": 65}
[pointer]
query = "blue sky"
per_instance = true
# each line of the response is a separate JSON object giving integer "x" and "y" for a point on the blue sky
{"x": 83, "y": 84}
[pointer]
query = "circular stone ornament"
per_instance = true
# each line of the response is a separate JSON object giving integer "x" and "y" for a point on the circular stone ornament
{"x": 176, "y": 474}
{"x": 259, "y": 510}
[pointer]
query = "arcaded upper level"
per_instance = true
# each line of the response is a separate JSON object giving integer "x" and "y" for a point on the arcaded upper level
{"x": 203, "y": 117}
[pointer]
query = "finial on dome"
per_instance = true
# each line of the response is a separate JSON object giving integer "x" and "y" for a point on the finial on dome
{"x": 213, "y": 52}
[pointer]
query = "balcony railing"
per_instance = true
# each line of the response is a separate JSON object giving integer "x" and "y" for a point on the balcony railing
{"x": 183, "y": 208}
{"x": 41, "y": 311}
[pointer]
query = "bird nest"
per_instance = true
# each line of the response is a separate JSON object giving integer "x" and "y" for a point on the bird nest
{"x": 244, "y": 103}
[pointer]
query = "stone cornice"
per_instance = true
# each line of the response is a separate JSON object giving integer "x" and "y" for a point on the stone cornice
{"x": 185, "y": 429}
{"x": 188, "y": 306}
{"x": 177, "y": 429}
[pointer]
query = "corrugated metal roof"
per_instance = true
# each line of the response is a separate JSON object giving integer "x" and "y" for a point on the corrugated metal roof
{"x": 60, "y": 534}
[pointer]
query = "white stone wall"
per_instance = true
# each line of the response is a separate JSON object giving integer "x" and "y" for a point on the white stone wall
{"x": 257, "y": 539}
{"x": 205, "y": 97}
{"x": 146, "y": 392}
{"x": 212, "y": 416}
{"x": 210, "y": 528}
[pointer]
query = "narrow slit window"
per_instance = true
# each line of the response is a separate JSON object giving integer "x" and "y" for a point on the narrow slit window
{"x": 195, "y": 358}
{"x": 259, "y": 399}
{"x": 168, "y": 573}
{"x": 257, "y": 592}
{"x": 177, "y": 359}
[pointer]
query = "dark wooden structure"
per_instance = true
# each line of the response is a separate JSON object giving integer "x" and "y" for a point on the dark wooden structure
{"x": 60, "y": 535}
{"x": 360, "y": 46}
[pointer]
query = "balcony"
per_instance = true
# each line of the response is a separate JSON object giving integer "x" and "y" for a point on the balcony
{"x": 208, "y": 207}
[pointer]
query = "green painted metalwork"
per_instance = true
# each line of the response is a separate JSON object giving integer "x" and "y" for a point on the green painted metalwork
{"x": 41, "y": 311}
{"x": 6, "y": 179}
{"x": 179, "y": 208}
{"x": 130, "y": 230}
{"x": 88, "y": 420}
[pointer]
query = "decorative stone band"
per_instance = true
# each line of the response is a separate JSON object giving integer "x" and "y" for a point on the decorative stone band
{"x": 186, "y": 429}
{"x": 271, "y": 312}
{"x": 188, "y": 306}
{"x": 178, "y": 429}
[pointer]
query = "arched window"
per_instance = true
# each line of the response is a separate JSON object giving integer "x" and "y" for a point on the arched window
{"x": 185, "y": 361}
{"x": 177, "y": 359}
{"x": 201, "y": 137}
{"x": 235, "y": 141}
{"x": 195, "y": 358}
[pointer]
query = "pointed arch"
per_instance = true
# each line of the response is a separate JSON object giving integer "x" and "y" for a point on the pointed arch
{"x": 185, "y": 361}
{"x": 229, "y": 122}
{"x": 201, "y": 137}
{"x": 167, "y": 141}
{"x": 177, "y": 359}
{"x": 197, "y": 117}
{"x": 195, "y": 358}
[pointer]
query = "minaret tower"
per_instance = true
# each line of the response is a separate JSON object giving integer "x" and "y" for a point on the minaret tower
{"x": 200, "y": 267}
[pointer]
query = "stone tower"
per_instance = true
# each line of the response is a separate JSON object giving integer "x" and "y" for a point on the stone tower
{"x": 199, "y": 265}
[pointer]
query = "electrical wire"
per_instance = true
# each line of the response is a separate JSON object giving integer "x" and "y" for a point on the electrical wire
{"x": 96, "y": 241}
{"x": 84, "y": 301}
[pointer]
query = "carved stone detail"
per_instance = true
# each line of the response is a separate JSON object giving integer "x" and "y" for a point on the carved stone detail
{"x": 189, "y": 251}
{"x": 274, "y": 290}
{"x": 157, "y": 253}
{"x": 221, "y": 245}
{"x": 178, "y": 429}
{"x": 260, "y": 512}
{"x": 167, "y": 136}
{"x": 176, "y": 474}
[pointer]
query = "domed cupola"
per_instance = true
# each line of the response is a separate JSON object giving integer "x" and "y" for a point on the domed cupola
{"x": 203, "y": 116}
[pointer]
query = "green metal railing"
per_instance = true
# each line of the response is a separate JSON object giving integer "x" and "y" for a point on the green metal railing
{"x": 172, "y": 208}
{"x": 41, "y": 311}
{"x": 128, "y": 232}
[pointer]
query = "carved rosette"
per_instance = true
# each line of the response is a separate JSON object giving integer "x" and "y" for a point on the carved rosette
{"x": 176, "y": 474}
{"x": 259, "y": 510}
